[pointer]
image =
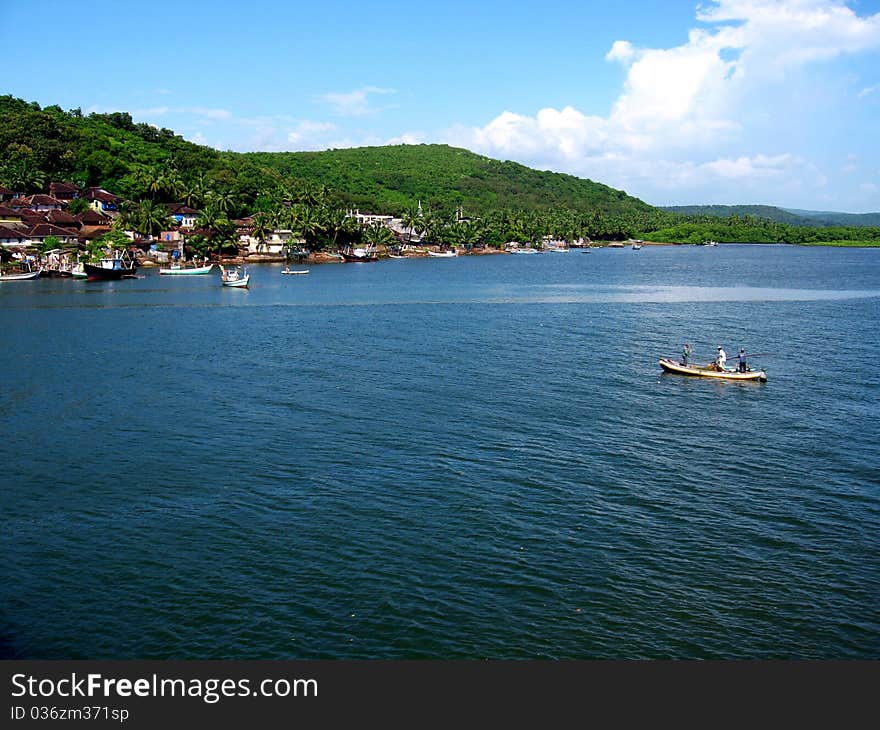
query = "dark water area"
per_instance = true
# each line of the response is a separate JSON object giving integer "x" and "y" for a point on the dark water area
{"x": 445, "y": 458}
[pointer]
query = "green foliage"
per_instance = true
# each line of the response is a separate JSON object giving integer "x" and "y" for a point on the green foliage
{"x": 49, "y": 243}
{"x": 308, "y": 192}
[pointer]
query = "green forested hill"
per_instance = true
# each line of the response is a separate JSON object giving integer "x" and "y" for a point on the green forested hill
{"x": 791, "y": 217}
{"x": 391, "y": 178}
{"x": 41, "y": 145}
{"x": 308, "y": 191}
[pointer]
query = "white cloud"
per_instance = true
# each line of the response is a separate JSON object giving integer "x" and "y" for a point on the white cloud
{"x": 867, "y": 91}
{"x": 679, "y": 107}
{"x": 355, "y": 103}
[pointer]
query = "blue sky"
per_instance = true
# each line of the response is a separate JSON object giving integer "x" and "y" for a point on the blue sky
{"x": 731, "y": 101}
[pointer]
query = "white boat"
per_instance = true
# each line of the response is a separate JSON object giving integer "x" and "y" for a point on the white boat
{"x": 636, "y": 246}
{"x": 395, "y": 256}
{"x": 79, "y": 271}
{"x": 710, "y": 243}
{"x": 236, "y": 277}
{"x": 176, "y": 269}
{"x": 21, "y": 277}
{"x": 523, "y": 250}
{"x": 286, "y": 270}
{"x": 443, "y": 254}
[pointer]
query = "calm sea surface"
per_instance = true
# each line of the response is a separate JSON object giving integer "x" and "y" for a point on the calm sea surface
{"x": 461, "y": 458}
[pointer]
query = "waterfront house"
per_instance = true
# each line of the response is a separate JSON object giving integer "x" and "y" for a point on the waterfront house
{"x": 185, "y": 216}
{"x": 276, "y": 243}
{"x": 102, "y": 201}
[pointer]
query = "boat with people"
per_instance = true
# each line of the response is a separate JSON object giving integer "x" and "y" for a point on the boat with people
{"x": 237, "y": 277}
{"x": 711, "y": 371}
{"x": 179, "y": 270}
{"x": 288, "y": 270}
{"x": 112, "y": 268}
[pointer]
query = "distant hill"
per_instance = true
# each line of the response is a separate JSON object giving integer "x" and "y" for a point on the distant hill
{"x": 831, "y": 218}
{"x": 789, "y": 216}
{"x": 41, "y": 145}
{"x": 393, "y": 178}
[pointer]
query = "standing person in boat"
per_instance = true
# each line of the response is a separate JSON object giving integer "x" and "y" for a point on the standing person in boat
{"x": 743, "y": 365}
{"x": 685, "y": 353}
{"x": 720, "y": 359}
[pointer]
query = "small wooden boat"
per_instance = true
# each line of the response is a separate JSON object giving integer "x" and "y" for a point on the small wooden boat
{"x": 443, "y": 254}
{"x": 236, "y": 277}
{"x": 21, "y": 277}
{"x": 183, "y": 271}
{"x": 295, "y": 271}
{"x": 709, "y": 371}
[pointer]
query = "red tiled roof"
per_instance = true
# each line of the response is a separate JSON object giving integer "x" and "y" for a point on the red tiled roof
{"x": 47, "y": 229}
{"x": 60, "y": 187}
{"x": 6, "y": 191}
{"x": 92, "y": 218}
{"x": 8, "y": 232}
{"x": 99, "y": 194}
{"x": 45, "y": 200}
{"x": 18, "y": 203}
{"x": 8, "y": 212}
{"x": 32, "y": 216}
{"x": 180, "y": 209}
{"x": 61, "y": 218}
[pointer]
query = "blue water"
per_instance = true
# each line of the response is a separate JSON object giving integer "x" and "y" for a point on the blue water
{"x": 459, "y": 458}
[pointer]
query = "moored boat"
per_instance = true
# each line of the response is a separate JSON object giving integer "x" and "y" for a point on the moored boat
{"x": 443, "y": 254}
{"x": 24, "y": 276}
{"x": 237, "y": 277}
{"x": 360, "y": 255}
{"x": 709, "y": 371}
{"x": 111, "y": 268}
{"x": 184, "y": 271}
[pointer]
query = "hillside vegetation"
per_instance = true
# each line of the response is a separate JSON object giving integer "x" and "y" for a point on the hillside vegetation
{"x": 308, "y": 192}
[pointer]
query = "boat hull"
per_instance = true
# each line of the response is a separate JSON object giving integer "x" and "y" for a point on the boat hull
{"x": 21, "y": 277}
{"x": 671, "y": 366}
{"x": 238, "y": 283}
{"x": 187, "y": 272}
{"x": 352, "y": 259}
{"x": 304, "y": 271}
{"x": 443, "y": 255}
{"x": 99, "y": 273}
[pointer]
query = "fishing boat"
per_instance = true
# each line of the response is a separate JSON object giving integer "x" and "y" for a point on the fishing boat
{"x": 111, "y": 268}
{"x": 237, "y": 277}
{"x": 443, "y": 254}
{"x": 286, "y": 270}
{"x": 710, "y": 243}
{"x": 360, "y": 255}
{"x": 524, "y": 250}
{"x": 710, "y": 371}
{"x": 24, "y": 276}
{"x": 79, "y": 271}
{"x": 178, "y": 270}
